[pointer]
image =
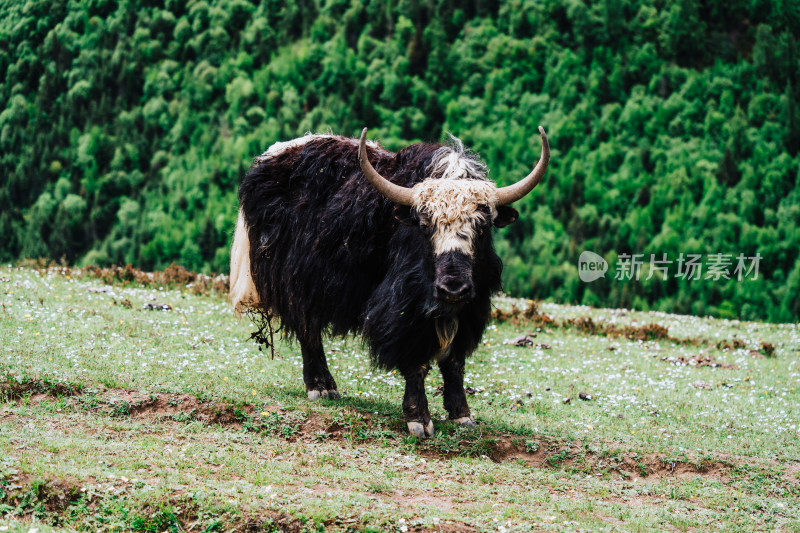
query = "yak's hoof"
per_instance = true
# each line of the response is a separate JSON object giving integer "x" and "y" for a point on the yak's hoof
{"x": 419, "y": 430}
{"x": 465, "y": 421}
{"x": 316, "y": 395}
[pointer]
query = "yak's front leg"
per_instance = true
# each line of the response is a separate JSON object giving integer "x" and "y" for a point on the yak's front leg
{"x": 415, "y": 403}
{"x": 455, "y": 399}
{"x": 317, "y": 377}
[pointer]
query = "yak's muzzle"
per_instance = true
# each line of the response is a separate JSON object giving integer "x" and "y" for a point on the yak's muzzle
{"x": 453, "y": 283}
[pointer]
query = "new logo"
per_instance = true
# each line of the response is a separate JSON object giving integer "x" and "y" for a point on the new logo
{"x": 591, "y": 266}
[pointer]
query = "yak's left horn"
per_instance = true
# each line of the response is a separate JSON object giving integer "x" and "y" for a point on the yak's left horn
{"x": 512, "y": 193}
{"x": 396, "y": 193}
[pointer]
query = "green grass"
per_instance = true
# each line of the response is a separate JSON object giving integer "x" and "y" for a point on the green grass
{"x": 113, "y": 417}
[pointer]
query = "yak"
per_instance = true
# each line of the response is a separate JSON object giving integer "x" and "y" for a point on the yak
{"x": 337, "y": 235}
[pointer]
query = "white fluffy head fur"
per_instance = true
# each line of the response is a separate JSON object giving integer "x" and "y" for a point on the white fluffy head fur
{"x": 455, "y": 162}
{"x": 452, "y": 209}
{"x": 451, "y": 197}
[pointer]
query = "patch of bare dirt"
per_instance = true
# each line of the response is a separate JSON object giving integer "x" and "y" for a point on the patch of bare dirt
{"x": 314, "y": 424}
{"x": 768, "y": 349}
{"x": 323, "y": 490}
{"x": 413, "y": 500}
{"x": 734, "y": 344}
{"x": 791, "y": 472}
{"x": 36, "y": 399}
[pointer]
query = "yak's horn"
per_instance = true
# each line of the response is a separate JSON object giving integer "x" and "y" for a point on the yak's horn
{"x": 512, "y": 193}
{"x": 396, "y": 193}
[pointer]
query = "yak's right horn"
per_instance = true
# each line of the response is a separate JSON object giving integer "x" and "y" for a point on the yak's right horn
{"x": 396, "y": 193}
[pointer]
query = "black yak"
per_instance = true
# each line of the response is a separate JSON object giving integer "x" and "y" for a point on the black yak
{"x": 401, "y": 252}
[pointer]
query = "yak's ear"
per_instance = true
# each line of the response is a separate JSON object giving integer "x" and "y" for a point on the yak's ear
{"x": 505, "y": 215}
{"x": 403, "y": 214}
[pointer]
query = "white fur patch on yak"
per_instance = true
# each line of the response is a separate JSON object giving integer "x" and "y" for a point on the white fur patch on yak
{"x": 455, "y": 162}
{"x": 452, "y": 207}
{"x": 280, "y": 147}
{"x": 243, "y": 292}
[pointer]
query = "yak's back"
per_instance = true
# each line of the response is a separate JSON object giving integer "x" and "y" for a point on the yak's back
{"x": 317, "y": 231}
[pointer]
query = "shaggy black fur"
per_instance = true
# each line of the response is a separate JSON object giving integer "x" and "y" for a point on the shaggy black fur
{"x": 328, "y": 254}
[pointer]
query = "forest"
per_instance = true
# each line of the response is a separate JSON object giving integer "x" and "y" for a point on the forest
{"x": 675, "y": 128}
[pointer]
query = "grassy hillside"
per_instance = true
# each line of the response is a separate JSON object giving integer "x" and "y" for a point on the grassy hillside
{"x": 675, "y": 126}
{"x": 116, "y": 415}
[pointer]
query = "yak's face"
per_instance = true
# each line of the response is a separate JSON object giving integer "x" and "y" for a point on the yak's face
{"x": 455, "y": 205}
{"x": 456, "y": 208}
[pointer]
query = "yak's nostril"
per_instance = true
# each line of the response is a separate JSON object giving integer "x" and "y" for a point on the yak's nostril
{"x": 453, "y": 289}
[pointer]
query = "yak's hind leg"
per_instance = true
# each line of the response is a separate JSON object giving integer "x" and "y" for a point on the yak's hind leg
{"x": 455, "y": 399}
{"x": 317, "y": 377}
{"x": 415, "y": 403}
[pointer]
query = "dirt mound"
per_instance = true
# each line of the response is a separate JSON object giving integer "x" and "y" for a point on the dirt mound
{"x": 44, "y": 495}
{"x": 531, "y": 317}
{"x": 172, "y": 276}
{"x": 14, "y": 390}
{"x": 179, "y": 407}
{"x": 576, "y": 456}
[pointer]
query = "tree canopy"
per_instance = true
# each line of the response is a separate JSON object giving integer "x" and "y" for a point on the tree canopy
{"x": 674, "y": 126}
